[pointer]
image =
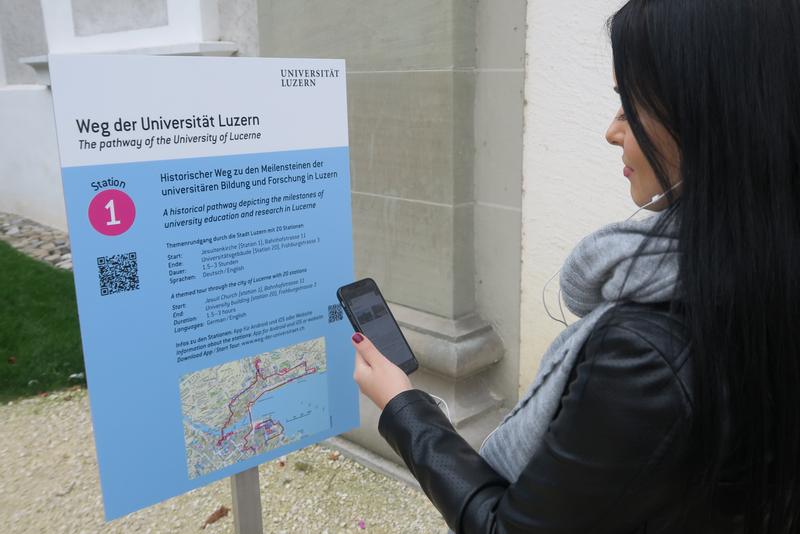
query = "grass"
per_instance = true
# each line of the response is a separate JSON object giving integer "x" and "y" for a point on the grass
{"x": 40, "y": 342}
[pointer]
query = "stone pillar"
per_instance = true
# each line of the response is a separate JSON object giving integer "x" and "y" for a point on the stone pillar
{"x": 411, "y": 73}
{"x": 499, "y": 102}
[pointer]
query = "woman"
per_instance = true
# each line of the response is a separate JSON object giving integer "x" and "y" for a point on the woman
{"x": 673, "y": 404}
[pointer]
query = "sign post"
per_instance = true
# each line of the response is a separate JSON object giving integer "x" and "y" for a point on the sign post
{"x": 208, "y": 204}
{"x": 246, "y": 502}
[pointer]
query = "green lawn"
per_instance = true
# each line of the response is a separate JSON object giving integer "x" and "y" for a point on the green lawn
{"x": 40, "y": 343}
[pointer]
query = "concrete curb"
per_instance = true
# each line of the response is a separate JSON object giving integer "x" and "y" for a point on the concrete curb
{"x": 369, "y": 459}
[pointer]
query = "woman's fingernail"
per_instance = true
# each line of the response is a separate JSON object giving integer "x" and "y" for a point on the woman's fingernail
{"x": 358, "y": 338}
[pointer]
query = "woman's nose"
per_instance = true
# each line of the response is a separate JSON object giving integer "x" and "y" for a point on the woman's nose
{"x": 615, "y": 135}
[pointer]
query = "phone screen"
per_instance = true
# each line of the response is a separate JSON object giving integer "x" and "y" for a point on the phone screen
{"x": 372, "y": 317}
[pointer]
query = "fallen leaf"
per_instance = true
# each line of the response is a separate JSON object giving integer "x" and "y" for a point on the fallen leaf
{"x": 218, "y": 514}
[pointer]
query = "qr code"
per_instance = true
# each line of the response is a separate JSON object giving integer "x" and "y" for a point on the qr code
{"x": 335, "y": 313}
{"x": 118, "y": 273}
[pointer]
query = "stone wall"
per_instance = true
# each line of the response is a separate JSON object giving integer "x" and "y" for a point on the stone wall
{"x": 410, "y": 94}
{"x": 435, "y": 107}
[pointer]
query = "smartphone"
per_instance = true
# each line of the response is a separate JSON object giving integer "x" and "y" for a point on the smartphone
{"x": 368, "y": 313}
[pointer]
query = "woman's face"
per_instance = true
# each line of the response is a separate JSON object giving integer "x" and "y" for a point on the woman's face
{"x": 642, "y": 177}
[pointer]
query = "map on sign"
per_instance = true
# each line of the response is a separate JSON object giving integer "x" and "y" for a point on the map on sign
{"x": 246, "y": 407}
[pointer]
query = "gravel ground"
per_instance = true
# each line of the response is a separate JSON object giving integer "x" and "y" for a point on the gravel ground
{"x": 49, "y": 483}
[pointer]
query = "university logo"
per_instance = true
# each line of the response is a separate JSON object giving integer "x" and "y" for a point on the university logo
{"x": 306, "y": 77}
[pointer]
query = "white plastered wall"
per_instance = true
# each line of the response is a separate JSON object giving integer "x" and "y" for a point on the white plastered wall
{"x": 30, "y": 180}
{"x": 572, "y": 179}
{"x": 30, "y": 183}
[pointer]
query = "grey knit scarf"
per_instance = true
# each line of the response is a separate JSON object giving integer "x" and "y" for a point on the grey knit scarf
{"x": 591, "y": 280}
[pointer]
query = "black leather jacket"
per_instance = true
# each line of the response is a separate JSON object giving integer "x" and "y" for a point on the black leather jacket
{"x": 616, "y": 458}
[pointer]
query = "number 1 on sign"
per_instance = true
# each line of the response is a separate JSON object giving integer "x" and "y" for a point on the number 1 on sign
{"x": 110, "y": 207}
{"x": 111, "y": 212}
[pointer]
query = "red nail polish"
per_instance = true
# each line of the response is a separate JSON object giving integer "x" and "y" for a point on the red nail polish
{"x": 358, "y": 338}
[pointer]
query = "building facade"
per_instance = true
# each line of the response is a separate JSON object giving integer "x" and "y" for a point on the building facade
{"x": 476, "y": 141}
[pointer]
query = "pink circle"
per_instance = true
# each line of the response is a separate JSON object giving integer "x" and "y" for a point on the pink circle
{"x": 111, "y": 212}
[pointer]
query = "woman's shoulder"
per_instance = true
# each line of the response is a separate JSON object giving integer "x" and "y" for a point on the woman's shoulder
{"x": 642, "y": 347}
{"x": 655, "y": 328}
{"x": 628, "y": 402}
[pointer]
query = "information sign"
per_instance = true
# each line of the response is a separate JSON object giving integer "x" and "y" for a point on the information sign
{"x": 208, "y": 204}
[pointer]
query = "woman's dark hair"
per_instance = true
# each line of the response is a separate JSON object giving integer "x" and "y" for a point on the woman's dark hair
{"x": 723, "y": 77}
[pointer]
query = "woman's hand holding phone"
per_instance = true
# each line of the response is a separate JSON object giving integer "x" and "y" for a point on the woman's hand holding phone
{"x": 377, "y": 377}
